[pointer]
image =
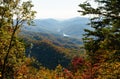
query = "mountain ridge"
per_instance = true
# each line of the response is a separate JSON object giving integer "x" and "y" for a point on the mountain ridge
{"x": 74, "y": 27}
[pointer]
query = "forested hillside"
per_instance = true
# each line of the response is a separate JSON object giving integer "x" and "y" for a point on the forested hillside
{"x": 48, "y": 55}
{"x": 56, "y": 39}
{"x": 51, "y": 50}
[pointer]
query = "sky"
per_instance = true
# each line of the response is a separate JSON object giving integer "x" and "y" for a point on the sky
{"x": 58, "y": 9}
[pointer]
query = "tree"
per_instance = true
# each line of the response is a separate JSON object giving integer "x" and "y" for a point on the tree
{"x": 102, "y": 43}
{"x": 13, "y": 14}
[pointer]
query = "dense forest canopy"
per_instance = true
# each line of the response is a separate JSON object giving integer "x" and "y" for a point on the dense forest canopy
{"x": 100, "y": 60}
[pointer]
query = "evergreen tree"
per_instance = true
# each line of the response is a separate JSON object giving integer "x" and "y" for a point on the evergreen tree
{"x": 13, "y": 14}
{"x": 102, "y": 43}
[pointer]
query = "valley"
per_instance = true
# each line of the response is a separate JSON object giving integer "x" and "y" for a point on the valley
{"x": 55, "y": 42}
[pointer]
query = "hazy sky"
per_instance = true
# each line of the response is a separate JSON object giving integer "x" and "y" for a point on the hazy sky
{"x": 59, "y": 9}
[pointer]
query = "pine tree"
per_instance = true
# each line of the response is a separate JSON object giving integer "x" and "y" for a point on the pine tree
{"x": 102, "y": 43}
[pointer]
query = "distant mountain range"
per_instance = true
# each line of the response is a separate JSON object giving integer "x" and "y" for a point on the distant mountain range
{"x": 55, "y": 42}
{"x": 73, "y": 27}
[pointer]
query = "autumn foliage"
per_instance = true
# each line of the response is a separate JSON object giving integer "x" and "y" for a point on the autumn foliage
{"x": 102, "y": 50}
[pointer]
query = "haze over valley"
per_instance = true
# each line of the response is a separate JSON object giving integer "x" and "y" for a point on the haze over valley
{"x": 73, "y": 27}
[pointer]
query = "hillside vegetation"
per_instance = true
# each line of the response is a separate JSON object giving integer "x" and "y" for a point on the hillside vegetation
{"x": 25, "y": 54}
{"x": 51, "y": 50}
